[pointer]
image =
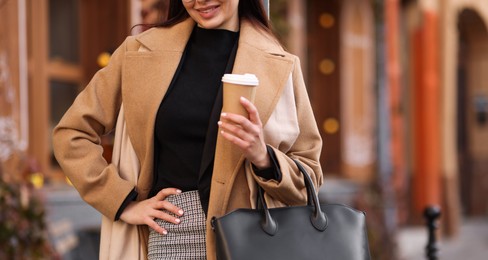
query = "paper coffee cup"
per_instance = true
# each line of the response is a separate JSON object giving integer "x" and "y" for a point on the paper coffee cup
{"x": 235, "y": 87}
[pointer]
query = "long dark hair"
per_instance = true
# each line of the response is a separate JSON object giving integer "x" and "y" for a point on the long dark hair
{"x": 251, "y": 10}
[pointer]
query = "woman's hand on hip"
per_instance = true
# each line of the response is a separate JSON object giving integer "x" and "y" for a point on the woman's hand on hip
{"x": 144, "y": 212}
{"x": 247, "y": 134}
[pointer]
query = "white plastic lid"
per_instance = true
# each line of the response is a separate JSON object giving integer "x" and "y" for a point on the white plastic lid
{"x": 241, "y": 79}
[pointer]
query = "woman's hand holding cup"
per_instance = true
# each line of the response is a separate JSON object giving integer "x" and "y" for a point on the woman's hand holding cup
{"x": 246, "y": 133}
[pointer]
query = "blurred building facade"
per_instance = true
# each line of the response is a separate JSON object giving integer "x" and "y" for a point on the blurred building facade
{"x": 399, "y": 93}
{"x": 398, "y": 87}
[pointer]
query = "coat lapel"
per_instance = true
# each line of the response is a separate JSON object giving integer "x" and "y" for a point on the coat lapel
{"x": 157, "y": 59}
{"x": 263, "y": 57}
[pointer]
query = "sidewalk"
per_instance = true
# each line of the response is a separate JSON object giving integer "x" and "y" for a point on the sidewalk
{"x": 73, "y": 225}
{"x": 470, "y": 244}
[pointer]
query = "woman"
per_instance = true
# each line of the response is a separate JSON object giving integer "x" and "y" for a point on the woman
{"x": 196, "y": 163}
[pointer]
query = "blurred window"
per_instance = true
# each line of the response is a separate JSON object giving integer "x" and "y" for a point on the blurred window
{"x": 64, "y": 30}
{"x": 62, "y": 95}
{"x": 64, "y": 64}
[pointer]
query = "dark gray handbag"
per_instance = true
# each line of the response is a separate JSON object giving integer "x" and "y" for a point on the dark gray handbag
{"x": 314, "y": 231}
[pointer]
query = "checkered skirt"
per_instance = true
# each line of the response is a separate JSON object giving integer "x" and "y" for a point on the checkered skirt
{"x": 185, "y": 240}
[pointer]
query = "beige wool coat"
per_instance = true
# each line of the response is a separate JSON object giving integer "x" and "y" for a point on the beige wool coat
{"x": 138, "y": 75}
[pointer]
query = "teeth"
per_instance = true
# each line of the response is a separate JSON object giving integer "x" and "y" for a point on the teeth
{"x": 208, "y": 10}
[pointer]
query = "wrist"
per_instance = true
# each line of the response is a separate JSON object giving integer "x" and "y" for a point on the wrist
{"x": 125, "y": 215}
{"x": 263, "y": 163}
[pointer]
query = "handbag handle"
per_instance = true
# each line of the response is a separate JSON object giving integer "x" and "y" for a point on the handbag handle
{"x": 318, "y": 218}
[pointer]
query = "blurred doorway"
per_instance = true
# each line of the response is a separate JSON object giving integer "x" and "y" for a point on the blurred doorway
{"x": 341, "y": 81}
{"x": 472, "y": 112}
{"x": 324, "y": 78}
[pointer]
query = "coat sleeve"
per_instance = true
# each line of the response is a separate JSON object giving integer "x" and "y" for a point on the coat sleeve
{"x": 292, "y": 132}
{"x": 77, "y": 139}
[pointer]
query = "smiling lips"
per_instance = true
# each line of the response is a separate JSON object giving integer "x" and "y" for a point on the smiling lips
{"x": 208, "y": 12}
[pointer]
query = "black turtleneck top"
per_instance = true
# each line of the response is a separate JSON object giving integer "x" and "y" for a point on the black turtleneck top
{"x": 184, "y": 115}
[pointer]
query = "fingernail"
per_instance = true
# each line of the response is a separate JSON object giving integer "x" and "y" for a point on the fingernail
{"x": 177, "y": 220}
{"x": 243, "y": 99}
{"x": 165, "y": 232}
{"x": 219, "y": 123}
{"x": 178, "y": 191}
{"x": 180, "y": 212}
{"x": 224, "y": 114}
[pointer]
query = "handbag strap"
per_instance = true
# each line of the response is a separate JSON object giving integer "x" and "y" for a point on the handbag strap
{"x": 318, "y": 218}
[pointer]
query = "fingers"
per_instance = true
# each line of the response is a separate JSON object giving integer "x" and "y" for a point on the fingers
{"x": 239, "y": 125}
{"x": 235, "y": 130}
{"x": 139, "y": 213}
{"x": 162, "y": 194}
{"x": 252, "y": 110}
{"x": 240, "y": 131}
{"x": 157, "y": 207}
{"x": 244, "y": 145}
{"x": 167, "y": 206}
{"x": 246, "y": 133}
{"x": 161, "y": 209}
{"x": 160, "y": 203}
{"x": 166, "y": 217}
{"x": 152, "y": 224}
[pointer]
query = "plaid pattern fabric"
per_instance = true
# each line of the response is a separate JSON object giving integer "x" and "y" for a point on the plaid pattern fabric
{"x": 185, "y": 240}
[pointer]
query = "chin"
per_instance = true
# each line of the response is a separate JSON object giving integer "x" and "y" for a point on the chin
{"x": 209, "y": 25}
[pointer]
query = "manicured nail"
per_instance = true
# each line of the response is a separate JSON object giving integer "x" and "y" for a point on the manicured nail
{"x": 165, "y": 232}
{"x": 224, "y": 114}
{"x": 177, "y": 220}
{"x": 180, "y": 212}
{"x": 244, "y": 99}
{"x": 178, "y": 191}
{"x": 219, "y": 123}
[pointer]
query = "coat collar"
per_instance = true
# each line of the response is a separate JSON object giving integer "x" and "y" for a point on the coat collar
{"x": 175, "y": 38}
{"x": 167, "y": 38}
